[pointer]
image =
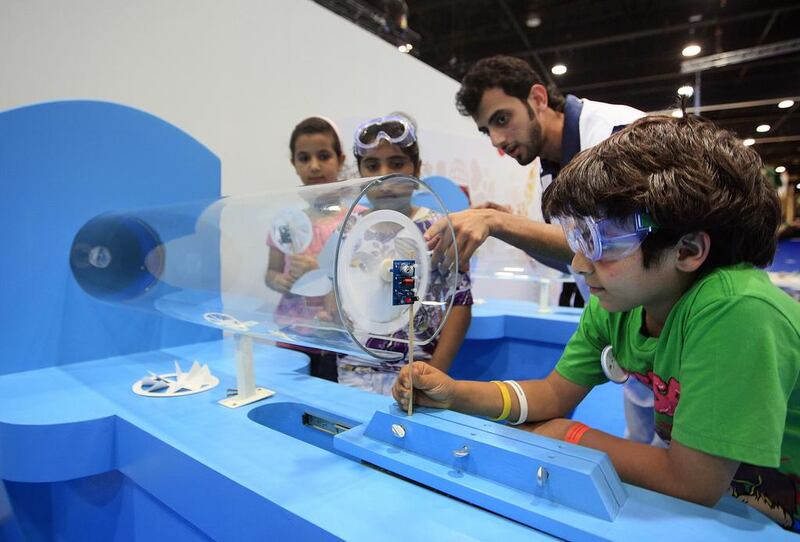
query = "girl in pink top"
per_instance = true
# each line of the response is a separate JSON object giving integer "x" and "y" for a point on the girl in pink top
{"x": 316, "y": 154}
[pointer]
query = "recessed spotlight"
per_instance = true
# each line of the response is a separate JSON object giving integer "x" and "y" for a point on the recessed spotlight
{"x": 785, "y": 104}
{"x": 780, "y": 169}
{"x": 677, "y": 113}
{"x": 559, "y": 69}
{"x": 761, "y": 128}
{"x": 749, "y": 141}
{"x": 691, "y": 50}
{"x": 405, "y": 48}
{"x": 533, "y": 20}
{"x": 686, "y": 90}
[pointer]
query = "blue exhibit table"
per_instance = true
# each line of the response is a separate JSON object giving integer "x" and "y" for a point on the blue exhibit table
{"x": 84, "y": 458}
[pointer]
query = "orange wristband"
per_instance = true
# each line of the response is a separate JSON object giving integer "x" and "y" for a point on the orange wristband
{"x": 575, "y": 432}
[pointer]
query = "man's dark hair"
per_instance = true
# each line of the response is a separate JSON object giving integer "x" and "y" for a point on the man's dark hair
{"x": 513, "y": 75}
{"x": 688, "y": 175}
{"x": 311, "y": 126}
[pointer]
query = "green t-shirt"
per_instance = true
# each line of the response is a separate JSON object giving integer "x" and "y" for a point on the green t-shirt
{"x": 724, "y": 374}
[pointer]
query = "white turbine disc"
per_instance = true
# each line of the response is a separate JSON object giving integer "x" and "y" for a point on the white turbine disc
{"x": 292, "y": 231}
{"x": 326, "y": 257}
{"x": 315, "y": 283}
{"x": 365, "y": 288}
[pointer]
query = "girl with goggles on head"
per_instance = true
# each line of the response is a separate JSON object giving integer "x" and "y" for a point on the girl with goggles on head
{"x": 383, "y": 146}
{"x": 393, "y": 129}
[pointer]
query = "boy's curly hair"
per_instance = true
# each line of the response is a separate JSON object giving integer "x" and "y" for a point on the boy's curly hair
{"x": 513, "y": 75}
{"x": 688, "y": 175}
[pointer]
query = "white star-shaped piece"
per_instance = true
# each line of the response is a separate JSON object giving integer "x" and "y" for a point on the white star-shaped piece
{"x": 198, "y": 378}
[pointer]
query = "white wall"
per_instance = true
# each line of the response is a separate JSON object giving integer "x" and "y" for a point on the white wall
{"x": 238, "y": 75}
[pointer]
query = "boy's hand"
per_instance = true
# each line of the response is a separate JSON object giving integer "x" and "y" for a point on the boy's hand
{"x": 432, "y": 387}
{"x": 300, "y": 264}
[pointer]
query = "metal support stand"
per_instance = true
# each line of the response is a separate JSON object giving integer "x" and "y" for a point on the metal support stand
{"x": 247, "y": 391}
{"x": 544, "y": 296}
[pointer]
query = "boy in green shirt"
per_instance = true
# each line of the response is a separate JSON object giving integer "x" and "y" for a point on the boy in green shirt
{"x": 669, "y": 220}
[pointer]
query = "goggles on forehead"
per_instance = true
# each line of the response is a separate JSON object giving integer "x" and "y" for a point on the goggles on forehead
{"x": 394, "y": 130}
{"x": 606, "y": 238}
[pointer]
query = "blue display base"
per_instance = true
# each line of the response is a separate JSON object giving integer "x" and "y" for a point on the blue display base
{"x": 83, "y": 454}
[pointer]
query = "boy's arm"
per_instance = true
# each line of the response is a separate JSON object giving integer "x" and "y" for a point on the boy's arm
{"x": 451, "y": 337}
{"x": 552, "y": 397}
{"x": 678, "y": 471}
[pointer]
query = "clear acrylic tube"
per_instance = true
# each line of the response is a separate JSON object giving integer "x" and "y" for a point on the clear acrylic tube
{"x": 307, "y": 265}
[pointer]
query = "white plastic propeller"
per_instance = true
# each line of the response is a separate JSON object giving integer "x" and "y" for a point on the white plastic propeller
{"x": 364, "y": 279}
{"x": 292, "y": 231}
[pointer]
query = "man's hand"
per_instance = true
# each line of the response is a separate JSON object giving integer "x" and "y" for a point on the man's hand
{"x": 471, "y": 226}
{"x": 496, "y": 206}
{"x": 432, "y": 387}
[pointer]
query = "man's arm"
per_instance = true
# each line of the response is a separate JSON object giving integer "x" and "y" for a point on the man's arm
{"x": 543, "y": 242}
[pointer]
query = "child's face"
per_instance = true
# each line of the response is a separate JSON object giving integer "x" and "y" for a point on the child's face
{"x": 392, "y": 194}
{"x": 314, "y": 159}
{"x": 622, "y": 285}
{"x": 385, "y": 159}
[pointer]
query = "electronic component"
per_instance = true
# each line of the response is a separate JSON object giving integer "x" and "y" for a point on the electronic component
{"x": 404, "y": 285}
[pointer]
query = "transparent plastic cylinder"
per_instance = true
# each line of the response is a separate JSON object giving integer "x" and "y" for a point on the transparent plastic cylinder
{"x": 332, "y": 249}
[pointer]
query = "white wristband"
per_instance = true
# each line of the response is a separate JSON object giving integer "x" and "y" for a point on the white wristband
{"x": 521, "y": 399}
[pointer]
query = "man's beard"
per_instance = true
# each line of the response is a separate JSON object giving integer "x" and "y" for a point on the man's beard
{"x": 534, "y": 139}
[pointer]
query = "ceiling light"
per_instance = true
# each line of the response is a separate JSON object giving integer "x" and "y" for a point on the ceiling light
{"x": 749, "y": 141}
{"x": 405, "y": 48}
{"x": 533, "y": 20}
{"x": 761, "y": 128}
{"x": 785, "y": 104}
{"x": 691, "y": 50}
{"x": 686, "y": 90}
{"x": 559, "y": 69}
{"x": 677, "y": 113}
{"x": 780, "y": 169}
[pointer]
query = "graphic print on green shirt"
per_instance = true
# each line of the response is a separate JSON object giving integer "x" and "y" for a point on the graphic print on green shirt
{"x": 724, "y": 374}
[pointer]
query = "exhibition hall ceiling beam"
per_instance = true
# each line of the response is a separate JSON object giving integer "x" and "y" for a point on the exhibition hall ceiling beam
{"x": 655, "y": 31}
{"x": 740, "y": 55}
{"x": 524, "y": 38}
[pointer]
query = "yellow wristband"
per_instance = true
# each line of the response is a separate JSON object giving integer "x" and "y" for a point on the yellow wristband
{"x": 506, "y": 401}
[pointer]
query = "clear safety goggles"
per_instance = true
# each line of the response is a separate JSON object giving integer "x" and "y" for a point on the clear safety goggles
{"x": 606, "y": 238}
{"x": 394, "y": 130}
